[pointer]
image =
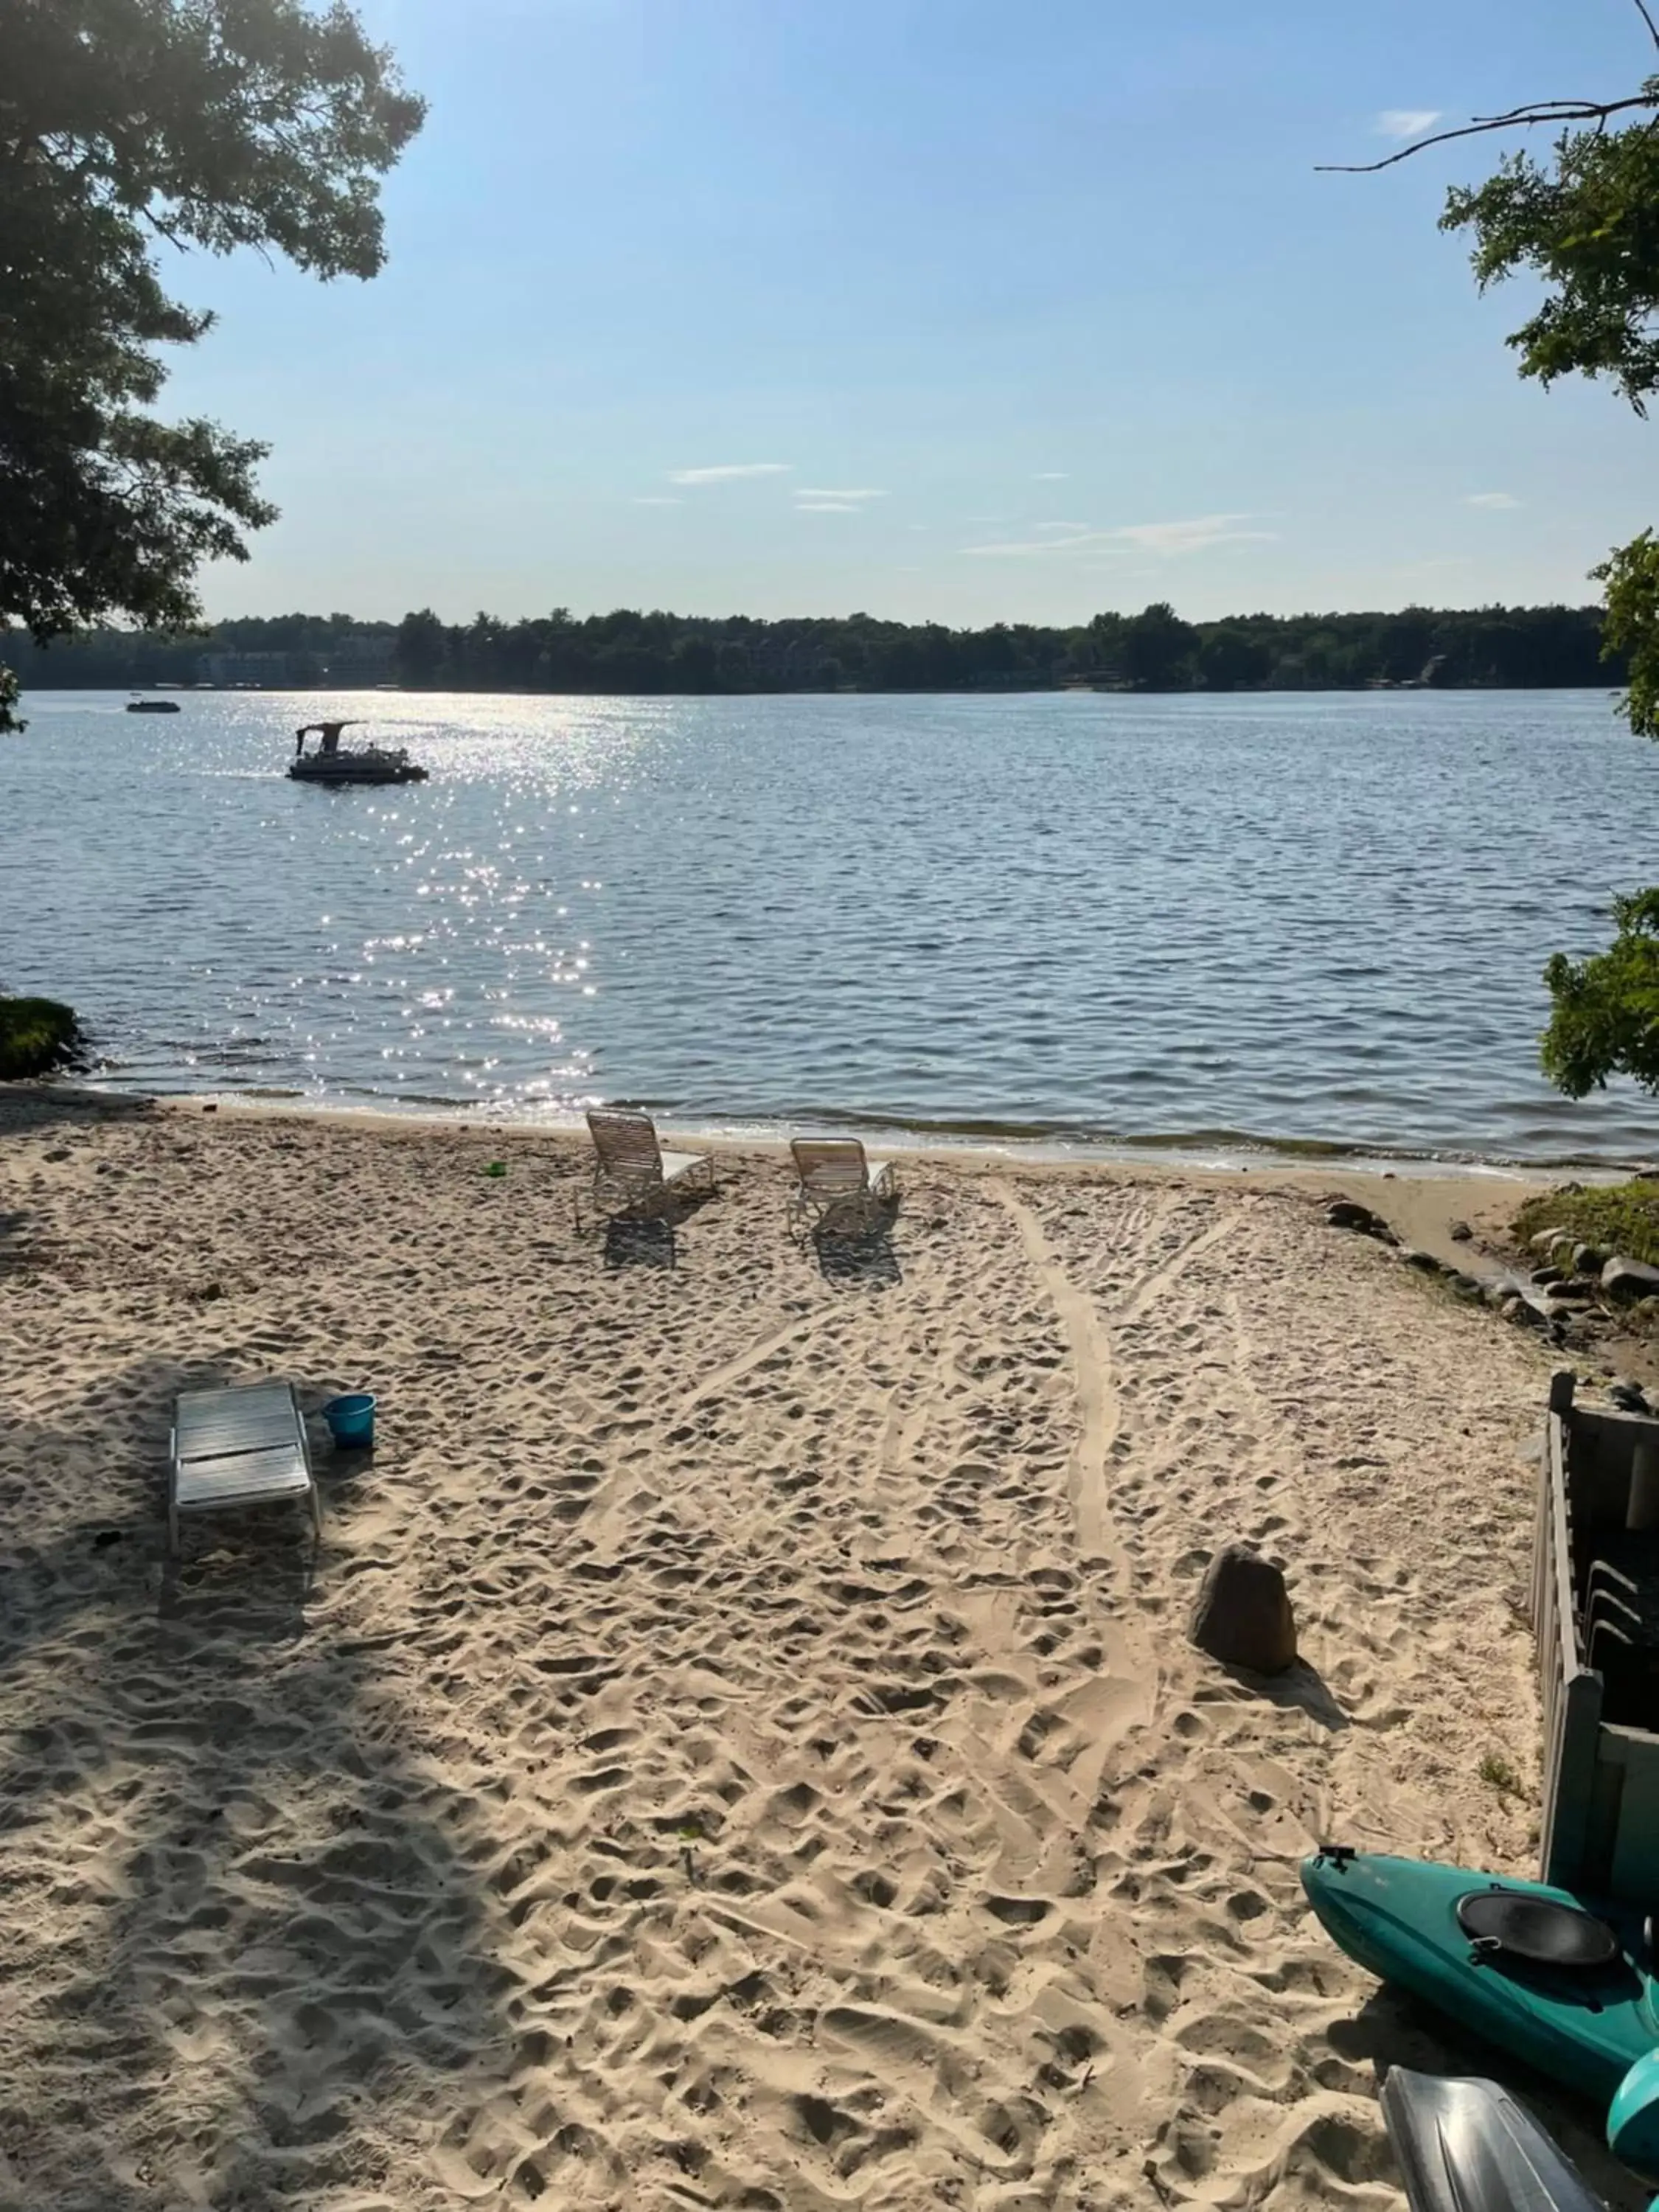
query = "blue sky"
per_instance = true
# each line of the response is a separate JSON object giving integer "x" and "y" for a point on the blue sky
{"x": 952, "y": 310}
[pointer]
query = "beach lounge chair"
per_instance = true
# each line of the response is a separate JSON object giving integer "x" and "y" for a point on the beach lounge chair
{"x": 632, "y": 1174}
{"x": 835, "y": 1183}
{"x": 244, "y": 1446}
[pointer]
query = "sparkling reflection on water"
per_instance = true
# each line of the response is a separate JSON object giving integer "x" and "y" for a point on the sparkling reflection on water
{"x": 1316, "y": 919}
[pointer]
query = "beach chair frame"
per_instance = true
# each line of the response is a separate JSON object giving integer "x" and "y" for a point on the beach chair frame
{"x": 836, "y": 1183}
{"x": 239, "y": 1446}
{"x": 632, "y": 1173}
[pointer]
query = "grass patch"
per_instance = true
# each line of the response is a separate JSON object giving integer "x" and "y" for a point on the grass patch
{"x": 1496, "y": 1770}
{"x": 1618, "y": 1216}
{"x": 36, "y": 1035}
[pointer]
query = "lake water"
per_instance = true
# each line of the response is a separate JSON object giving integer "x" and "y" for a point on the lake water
{"x": 1185, "y": 921}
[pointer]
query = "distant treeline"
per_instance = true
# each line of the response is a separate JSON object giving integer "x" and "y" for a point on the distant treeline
{"x": 629, "y": 652}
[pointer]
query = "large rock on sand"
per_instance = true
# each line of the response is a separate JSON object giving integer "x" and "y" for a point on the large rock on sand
{"x": 1625, "y": 1280}
{"x": 1348, "y": 1214}
{"x": 1243, "y": 1616}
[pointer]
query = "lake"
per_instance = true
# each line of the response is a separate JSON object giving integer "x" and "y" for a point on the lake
{"x": 1188, "y": 922}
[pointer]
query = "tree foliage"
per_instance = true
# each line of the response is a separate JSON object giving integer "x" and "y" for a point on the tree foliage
{"x": 37, "y": 1036}
{"x": 1629, "y": 576}
{"x": 1606, "y": 1015}
{"x": 1587, "y": 227}
{"x": 1584, "y": 225}
{"x": 628, "y": 650}
{"x": 1156, "y": 649}
{"x": 129, "y": 129}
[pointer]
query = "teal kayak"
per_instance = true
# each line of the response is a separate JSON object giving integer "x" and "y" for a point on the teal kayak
{"x": 1564, "y": 1983}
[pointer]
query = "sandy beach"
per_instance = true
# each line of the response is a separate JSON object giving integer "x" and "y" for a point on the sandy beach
{"x": 738, "y": 1746}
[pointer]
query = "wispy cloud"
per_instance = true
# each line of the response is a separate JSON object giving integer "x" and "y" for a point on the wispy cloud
{"x": 662, "y": 499}
{"x": 1491, "y": 498}
{"x": 1406, "y": 122}
{"x": 817, "y": 491}
{"x": 1168, "y": 540}
{"x": 1024, "y": 549}
{"x": 828, "y": 507}
{"x": 1049, "y": 476}
{"x": 1194, "y": 537}
{"x": 728, "y": 472}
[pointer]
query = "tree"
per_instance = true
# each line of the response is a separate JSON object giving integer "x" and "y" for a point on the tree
{"x": 1229, "y": 657}
{"x": 126, "y": 126}
{"x": 1606, "y": 1020}
{"x": 422, "y": 648}
{"x": 1630, "y": 574}
{"x": 1156, "y": 648}
{"x": 1586, "y": 225}
{"x": 693, "y": 666}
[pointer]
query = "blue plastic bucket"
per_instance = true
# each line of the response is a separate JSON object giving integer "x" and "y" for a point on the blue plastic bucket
{"x": 351, "y": 1420}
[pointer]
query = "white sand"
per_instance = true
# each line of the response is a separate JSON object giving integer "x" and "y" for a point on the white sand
{"x": 739, "y": 1748}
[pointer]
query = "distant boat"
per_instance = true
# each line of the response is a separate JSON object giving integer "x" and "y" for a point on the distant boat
{"x": 333, "y": 764}
{"x": 152, "y": 706}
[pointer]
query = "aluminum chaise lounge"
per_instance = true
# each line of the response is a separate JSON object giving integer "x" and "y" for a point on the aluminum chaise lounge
{"x": 835, "y": 1179}
{"x": 632, "y": 1174}
{"x": 243, "y": 1446}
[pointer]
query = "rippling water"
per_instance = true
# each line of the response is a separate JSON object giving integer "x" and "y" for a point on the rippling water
{"x": 1183, "y": 920}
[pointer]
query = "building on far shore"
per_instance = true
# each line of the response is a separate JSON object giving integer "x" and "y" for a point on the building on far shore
{"x": 274, "y": 672}
{"x": 355, "y": 661}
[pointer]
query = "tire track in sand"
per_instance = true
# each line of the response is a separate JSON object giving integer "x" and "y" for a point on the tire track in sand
{"x": 1094, "y": 1380}
{"x": 1093, "y": 1359}
{"x": 1151, "y": 1287}
{"x": 754, "y": 1355}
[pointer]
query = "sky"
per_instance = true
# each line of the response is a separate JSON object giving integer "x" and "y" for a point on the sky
{"x": 962, "y": 311}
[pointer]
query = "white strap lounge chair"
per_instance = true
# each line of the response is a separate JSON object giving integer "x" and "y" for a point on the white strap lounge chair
{"x": 632, "y": 1173}
{"x": 834, "y": 1180}
{"x": 244, "y": 1446}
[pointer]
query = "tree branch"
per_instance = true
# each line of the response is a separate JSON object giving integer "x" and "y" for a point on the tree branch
{"x": 1538, "y": 111}
{"x": 1641, "y": 10}
{"x": 163, "y": 229}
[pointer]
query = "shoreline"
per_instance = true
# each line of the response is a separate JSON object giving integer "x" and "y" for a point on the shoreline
{"x": 1421, "y": 1199}
{"x": 32, "y": 695}
{"x": 1222, "y": 1151}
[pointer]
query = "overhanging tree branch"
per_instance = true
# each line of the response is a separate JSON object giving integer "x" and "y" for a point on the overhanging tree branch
{"x": 1586, "y": 221}
{"x": 1538, "y": 111}
{"x": 213, "y": 124}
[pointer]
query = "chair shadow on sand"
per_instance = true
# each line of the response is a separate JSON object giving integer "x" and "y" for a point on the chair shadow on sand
{"x": 640, "y": 1240}
{"x": 860, "y": 1254}
{"x": 278, "y": 1860}
{"x": 643, "y": 1236}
